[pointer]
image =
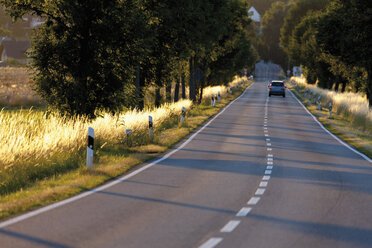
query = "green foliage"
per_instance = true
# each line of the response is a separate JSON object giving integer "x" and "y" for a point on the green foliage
{"x": 263, "y": 5}
{"x": 354, "y": 46}
{"x": 91, "y": 55}
{"x": 269, "y": 47}
{"x": 297, "y": 10}
{"x": 234, "y": 50}
{"x": 85, "y": 52}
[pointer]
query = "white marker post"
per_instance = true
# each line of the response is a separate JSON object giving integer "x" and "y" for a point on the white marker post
{"x": 319, "y": 103}
{"x": 128, "y": 132}
{"x": 183, "y": 115}
{"x": 219, "y": 97}
{"x": 90, "y": 148}
{"x": 151, "y": 128}
{"x": 330, "y": 110}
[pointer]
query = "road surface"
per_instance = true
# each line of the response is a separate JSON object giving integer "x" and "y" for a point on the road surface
{"x": 262, "y": 174}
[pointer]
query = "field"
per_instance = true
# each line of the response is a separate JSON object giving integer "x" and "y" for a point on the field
{"x": 16, "y": 88}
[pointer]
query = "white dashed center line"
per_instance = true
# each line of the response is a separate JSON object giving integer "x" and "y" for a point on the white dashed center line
{"x": 266, "y": 178}
{"x": 263, "y": 184}
{"x": 260, "y": 191}
{"x": 254, "y": 200}
{"x": 230, "y": 226}
{"x": 244, "y": 212}
{"x": 268, "y": 172}
{"x": 212, "y": 242}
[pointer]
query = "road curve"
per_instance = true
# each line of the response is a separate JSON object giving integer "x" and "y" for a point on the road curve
{"x": 262, "y": 174}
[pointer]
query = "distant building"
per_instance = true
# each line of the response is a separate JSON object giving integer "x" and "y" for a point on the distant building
{"x": 254, "y": 15}
{"x": 256, "y": 18}
{"x": 11, "y": 49}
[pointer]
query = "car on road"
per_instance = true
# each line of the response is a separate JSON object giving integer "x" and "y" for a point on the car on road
{"x": 277, "y": 88}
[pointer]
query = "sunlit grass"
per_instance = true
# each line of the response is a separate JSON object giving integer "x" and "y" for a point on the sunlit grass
{"x": 58, "y": 171}
{"x": 352, "y": 107}
{"x": 35, "y": 144}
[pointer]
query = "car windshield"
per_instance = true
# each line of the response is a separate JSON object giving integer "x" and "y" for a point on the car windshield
{"x": 276, "y": 84}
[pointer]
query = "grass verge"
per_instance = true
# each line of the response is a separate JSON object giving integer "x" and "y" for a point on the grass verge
{"x": 339, "y": 125}
{"x": 110, "y": 162}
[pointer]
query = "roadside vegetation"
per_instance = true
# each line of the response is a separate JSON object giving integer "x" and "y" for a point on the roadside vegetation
{"x": 109, "y": 65}
{"x": 336, "y": 64}
{"x": 43, "y": 154}
{"x": 311, "y": 34}
{"x": 351, "y": 116}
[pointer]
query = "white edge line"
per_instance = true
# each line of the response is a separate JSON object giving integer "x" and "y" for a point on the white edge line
{"x": 115, "y": 181}
{"x": 212, "y": 242}
{"x": 334, "y": 136}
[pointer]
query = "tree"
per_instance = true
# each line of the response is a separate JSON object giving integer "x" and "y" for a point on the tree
{"x": 263, "y": 5}
{"x": 354, "y": 46}
{"x": 86, "y": 52}
{"x": 297, "y": 10}
{"x": 269, "y": 41}
{"x": 4, "y": 20}
{"x": 234, "y": 50}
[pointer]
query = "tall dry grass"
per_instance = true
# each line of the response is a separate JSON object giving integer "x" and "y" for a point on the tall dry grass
{"x": 35, "y": 144}
{"x": 353, "y": 107}
{"x": 16, "y": 88}
{"x": 222, "y": 89}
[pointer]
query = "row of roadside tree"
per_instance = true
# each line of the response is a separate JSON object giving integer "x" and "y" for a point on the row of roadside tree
{"x": 330, "y": 39}
{"x": 93, "y": 54}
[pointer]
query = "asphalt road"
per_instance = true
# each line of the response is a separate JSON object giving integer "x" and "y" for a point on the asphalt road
{"x": 261, "y": 174}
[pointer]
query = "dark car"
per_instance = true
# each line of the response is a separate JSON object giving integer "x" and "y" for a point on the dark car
{"x": 277, "y": 88}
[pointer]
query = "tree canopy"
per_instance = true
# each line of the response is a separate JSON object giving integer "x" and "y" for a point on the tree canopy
{"x": 92, "y": 54}
{"x": 352, "y": 47}
{"x": 269, "y": 41}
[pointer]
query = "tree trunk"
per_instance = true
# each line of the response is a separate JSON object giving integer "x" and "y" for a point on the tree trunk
{"x": 201, "y": 90}
{"x": 142, "y": 83}
{"x": 157, "y": 97}
{"x": 139, "y": 83}
{"x": 369, "y": 86}
{"x": 343, "y": 86}
{"x": 177, "y": 91}
{"x": 183, "y": 86}
{"x": 168, "y": 91}
{"x": 337, "y": 83}
{"x": 158, "y": 85}
{"x": 192, "y": 86}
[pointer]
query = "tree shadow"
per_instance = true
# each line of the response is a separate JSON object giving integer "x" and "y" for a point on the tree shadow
{"x": 166, "y": 202}
{"x": 32, "y": 240}
{"x": 352, "y": 235}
